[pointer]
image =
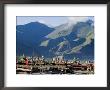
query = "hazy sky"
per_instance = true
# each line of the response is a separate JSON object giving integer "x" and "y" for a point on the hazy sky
{"x": 50, "y": 20}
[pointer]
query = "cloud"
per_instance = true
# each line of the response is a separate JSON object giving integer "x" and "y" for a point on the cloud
{"x": 78, "y": 19}
{"x": 41, "y": 21}
{"x": 44, "y": 22}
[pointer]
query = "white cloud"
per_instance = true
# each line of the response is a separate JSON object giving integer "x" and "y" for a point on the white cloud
{"x": 77, "y": 19}
{"x": 41, "y": 21}
{"x": 44, "y": 22}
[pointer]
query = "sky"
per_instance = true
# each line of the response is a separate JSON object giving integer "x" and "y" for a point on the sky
{"x": 51, "y": 21}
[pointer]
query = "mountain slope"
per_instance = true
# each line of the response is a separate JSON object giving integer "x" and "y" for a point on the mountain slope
{"x": 69, "y": 40}
{"x": 30, "y": 35}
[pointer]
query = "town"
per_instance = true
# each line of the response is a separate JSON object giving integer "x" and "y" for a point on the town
{"x": 56, "y": 65}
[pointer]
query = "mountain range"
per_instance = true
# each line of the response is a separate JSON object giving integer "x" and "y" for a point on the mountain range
{"x": 69, "y": 39}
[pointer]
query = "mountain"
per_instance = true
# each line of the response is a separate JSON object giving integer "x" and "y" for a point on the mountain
{"x": 69, "y": 39}
{"x": 61, "y": 30}
{"x": 29, "y": 35}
